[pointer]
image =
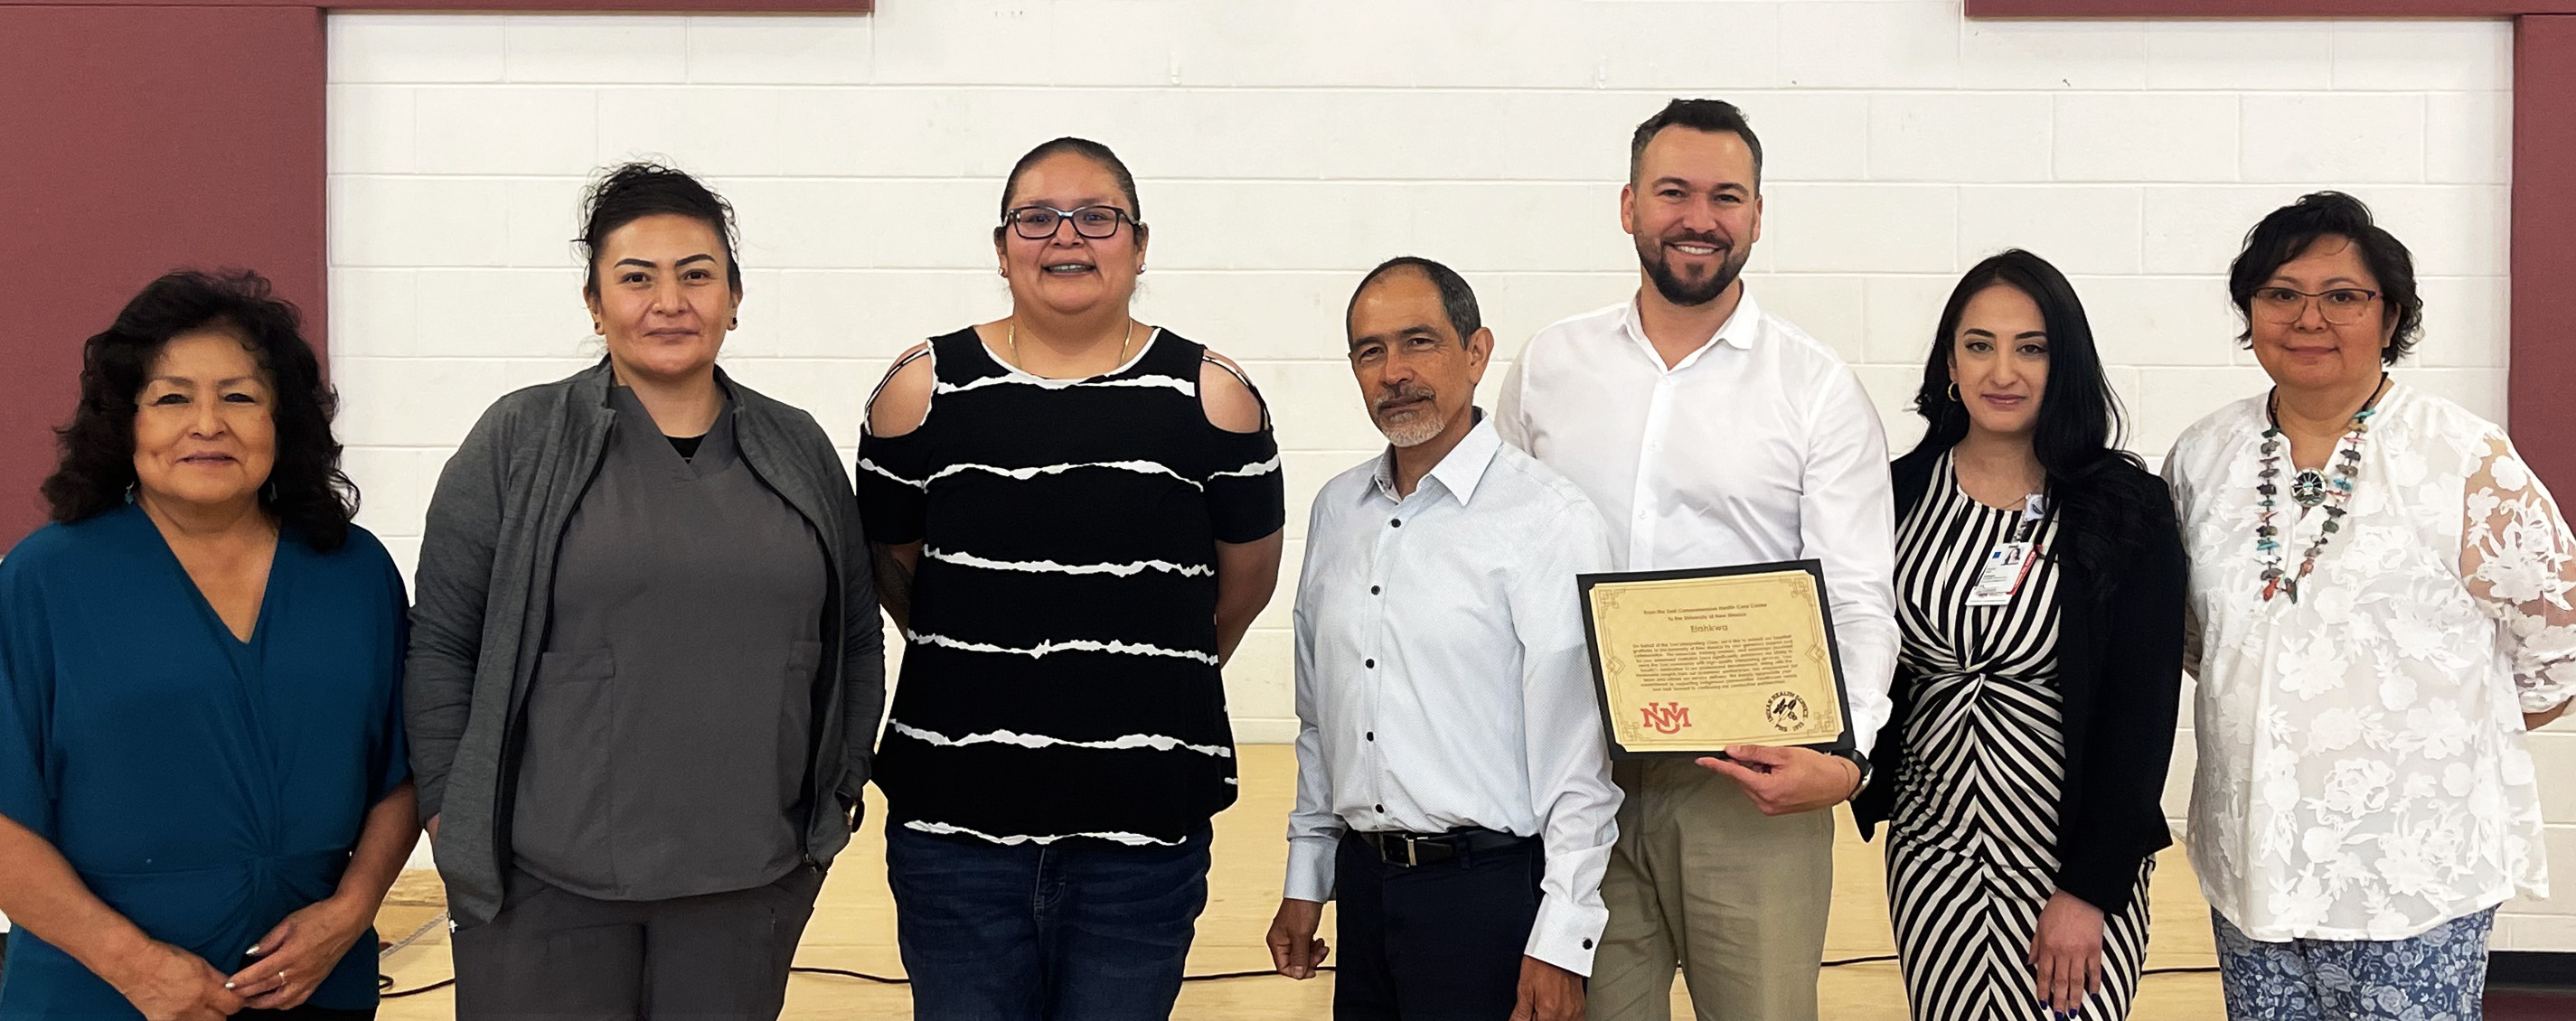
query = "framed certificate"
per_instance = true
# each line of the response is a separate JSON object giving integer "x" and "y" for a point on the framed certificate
{"x": 1689, "y": 662}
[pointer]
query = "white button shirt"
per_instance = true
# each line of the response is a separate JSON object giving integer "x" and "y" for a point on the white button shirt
{"x": 1759, "y": 447}
{"x": 1443, "y": 680}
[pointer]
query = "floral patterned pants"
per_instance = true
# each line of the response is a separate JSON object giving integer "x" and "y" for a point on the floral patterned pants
{"x": 2438, "y": 976}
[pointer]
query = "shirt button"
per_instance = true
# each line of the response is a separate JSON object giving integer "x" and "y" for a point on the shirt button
{"x": 1372, "y": 590}
{"x": 1381, "y": 808}
{"x": 1395, "y": 522}
{"x": 1369, "y": 663}
{"x": 1372, "y": 735}
{"x": 1587, "y": 944}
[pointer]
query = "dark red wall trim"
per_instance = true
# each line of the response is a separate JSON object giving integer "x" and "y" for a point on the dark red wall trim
{"x": 138, "y": 140}
{"x": 511, "y": 7}
{"x": 2266, "y": 8}
{"x": 2541, "y": 392}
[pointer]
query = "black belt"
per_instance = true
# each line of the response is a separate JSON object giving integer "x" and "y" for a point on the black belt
{"x": 1412, "y": 849}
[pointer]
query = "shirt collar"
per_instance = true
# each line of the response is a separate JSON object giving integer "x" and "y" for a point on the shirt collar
{"x": 1459, "y": 471}
{"x": 1739, "y": 331}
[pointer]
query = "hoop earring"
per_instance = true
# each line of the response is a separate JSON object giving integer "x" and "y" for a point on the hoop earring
{"x": 1954, "y": 392}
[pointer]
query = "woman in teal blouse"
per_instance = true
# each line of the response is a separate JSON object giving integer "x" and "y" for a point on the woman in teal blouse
{"x": 203, "y": 793}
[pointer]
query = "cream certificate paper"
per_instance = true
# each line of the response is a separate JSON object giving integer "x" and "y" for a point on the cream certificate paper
{"x": 1694, "y": 663}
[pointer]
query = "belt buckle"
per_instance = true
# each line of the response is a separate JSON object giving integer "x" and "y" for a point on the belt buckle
{"x": 1412, "y": 856}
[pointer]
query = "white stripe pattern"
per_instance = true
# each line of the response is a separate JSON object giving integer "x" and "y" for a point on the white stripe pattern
{"x": 881, "y": 470}
{"x": 1124, "y": 570}
{"x": 951, "y": 829}
{"x": 1972, "y": 846}
{"x": 1250, "y": 470}
{"x": 1046, "y": 648}
{"x": 1186, "y": 387}
{"x": 1128, "y": 742}
{"x": 1025, "y": 474}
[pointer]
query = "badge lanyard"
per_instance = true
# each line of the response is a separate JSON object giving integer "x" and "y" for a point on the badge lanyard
{"x": 2010, "y": 561}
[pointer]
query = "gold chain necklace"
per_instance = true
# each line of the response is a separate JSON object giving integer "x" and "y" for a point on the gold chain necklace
{"x": 1012, "y": 338}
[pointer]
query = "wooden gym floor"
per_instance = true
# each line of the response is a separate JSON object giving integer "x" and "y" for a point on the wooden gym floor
{"x": 853, "y": 929}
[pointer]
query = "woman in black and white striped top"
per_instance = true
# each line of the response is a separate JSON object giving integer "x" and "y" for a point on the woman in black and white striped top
{"x": 1077, "y": 517}
{"x": 2039, "y": 593}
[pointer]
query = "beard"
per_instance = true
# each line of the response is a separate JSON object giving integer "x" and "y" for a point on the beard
{"x": 1421, "y": 422}
{"x": 1682, "y": 292}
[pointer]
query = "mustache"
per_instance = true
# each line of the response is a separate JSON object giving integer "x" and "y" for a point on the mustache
{"x": 1389, "y": 395}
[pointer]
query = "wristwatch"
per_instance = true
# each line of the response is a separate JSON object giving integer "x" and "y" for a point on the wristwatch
{"x": 1853, "y": 756}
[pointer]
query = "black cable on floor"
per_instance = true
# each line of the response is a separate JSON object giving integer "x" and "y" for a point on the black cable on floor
{"x": 385, "y": 983}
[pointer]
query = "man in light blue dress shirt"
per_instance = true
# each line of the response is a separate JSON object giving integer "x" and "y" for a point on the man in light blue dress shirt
{"x": 1453, "y": 788}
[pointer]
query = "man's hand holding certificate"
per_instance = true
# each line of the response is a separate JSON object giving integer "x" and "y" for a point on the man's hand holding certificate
{"x": 1734, "y": 667}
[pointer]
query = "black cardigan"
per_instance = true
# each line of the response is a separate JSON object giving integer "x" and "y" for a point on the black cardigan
{"x": 2119, "y": 656}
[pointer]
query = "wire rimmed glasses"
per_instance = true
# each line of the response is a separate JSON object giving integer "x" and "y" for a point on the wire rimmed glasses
{"x": 2341, "y": 306}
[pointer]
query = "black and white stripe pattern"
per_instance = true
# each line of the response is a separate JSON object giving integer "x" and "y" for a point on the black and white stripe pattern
{"x": 1060, "y": 678}
{"x": 1972, "y": 845}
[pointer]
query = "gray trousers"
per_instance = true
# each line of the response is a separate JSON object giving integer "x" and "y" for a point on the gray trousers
{"x": 562, "y": 956}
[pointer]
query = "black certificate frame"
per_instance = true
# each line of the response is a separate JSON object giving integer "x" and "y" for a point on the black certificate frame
{"x": 1584, "y": 583}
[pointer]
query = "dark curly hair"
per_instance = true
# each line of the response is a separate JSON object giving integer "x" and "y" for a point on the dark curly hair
{"x": 2285, "y": 234}
{"x": 306, "y": 489}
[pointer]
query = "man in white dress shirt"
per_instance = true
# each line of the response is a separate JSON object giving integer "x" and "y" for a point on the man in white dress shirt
{"x": 1711, "y": 433}
{"x": 1453, "y": 788}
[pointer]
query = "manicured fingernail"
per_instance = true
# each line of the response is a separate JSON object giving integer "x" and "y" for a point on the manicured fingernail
{"x": 254, "y": 950}
{"x": 228, "y": 985}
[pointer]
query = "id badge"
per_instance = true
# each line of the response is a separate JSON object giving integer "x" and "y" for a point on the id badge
{"x": 2006, "y": 566}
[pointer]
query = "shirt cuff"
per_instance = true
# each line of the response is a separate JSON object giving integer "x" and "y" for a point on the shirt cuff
{"x": 1310, "y": 868}
{"x": 1565, "y": 934}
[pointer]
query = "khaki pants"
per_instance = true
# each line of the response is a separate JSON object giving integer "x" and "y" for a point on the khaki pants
{"x": 1703, "y": 881}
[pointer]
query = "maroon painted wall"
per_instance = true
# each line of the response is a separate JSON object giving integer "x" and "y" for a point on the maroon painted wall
{"x": 2265, "y": 8}
{"x": 2541, "y": 395}
{"x": 134, "y": 140}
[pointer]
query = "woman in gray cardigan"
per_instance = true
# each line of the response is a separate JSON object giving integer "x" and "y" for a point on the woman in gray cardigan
{"x": 645, "y": 664}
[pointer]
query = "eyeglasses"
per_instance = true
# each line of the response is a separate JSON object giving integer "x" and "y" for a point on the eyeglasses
{"x": 2342, "y": 306}
{"x": 1038, "y": 223}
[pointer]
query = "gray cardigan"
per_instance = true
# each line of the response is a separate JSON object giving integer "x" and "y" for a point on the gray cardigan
{"x": 479, "y": 619}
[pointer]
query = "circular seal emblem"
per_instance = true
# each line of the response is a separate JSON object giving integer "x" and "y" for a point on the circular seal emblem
{"x": 1788, "y": 712}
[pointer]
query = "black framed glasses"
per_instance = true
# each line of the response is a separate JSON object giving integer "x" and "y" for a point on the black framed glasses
{"x": 1038, "y": 223}
{"x": 2341, "y": 306}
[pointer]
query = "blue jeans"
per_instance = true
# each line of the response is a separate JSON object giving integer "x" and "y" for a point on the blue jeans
{"x": 1068, "y": 932}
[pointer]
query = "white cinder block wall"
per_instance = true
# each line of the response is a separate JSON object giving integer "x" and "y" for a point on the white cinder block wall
{"x": 1282, "y": 147}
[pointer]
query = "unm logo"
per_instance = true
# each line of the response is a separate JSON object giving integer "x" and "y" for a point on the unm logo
{"x": 1667, "y": 717}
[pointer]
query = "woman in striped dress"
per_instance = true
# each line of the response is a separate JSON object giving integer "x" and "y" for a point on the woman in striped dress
{"x": 1077, "y": 517}
{"x": 2039, "y": 583}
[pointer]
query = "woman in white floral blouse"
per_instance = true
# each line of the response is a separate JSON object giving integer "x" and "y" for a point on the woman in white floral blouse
{"x": 2380, "y": 607}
